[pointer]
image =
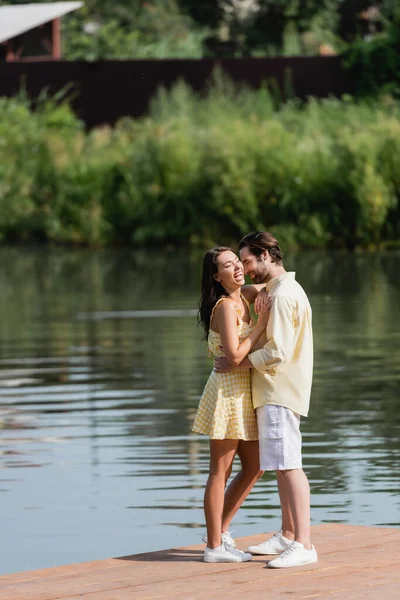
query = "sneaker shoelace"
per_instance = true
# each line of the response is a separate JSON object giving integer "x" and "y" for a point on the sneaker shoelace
{"x": 233, "y": 550}
{"x": 289, "y": 550}
{"x": 274, "y": 537}
{"x": 229, "y": 539}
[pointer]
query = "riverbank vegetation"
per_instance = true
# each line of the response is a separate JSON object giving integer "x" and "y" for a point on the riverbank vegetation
{"x": 202, "y": 170}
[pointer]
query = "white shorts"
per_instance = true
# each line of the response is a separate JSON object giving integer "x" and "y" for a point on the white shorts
{"x": 279, "y": 438}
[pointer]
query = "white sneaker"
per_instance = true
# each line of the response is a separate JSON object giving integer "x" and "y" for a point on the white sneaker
{"x": 275, "y": 545}
{"x": 225, "y": 537}
{"x": 225, "y": 553}
{"x": 294, "y": 556}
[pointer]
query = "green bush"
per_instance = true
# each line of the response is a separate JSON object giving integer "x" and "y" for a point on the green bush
{"x": 374, "y": 64}
{"x": 201, "y": 170}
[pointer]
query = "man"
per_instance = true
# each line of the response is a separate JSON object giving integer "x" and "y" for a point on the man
{"x": 281, "y": 388}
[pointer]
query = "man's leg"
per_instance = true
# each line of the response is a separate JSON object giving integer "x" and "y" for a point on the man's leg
{"x": 295, "y": 485}
{"x": 297, "y": 489}
{"x": 281, "y": 442}
{"x": 278, "y": 542}
{"x": 301, "y": 551}
{"x": 243, "y": 482}
{"x": 270, "y": 417}
{"x": 288, "y": 528}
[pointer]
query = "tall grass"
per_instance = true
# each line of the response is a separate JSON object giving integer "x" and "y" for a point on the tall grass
{"x": 201, "y": 170}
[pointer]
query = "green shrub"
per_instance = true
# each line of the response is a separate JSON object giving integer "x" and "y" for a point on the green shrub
{"x": 203, "y": 170}
{"x": 374, "y": 64}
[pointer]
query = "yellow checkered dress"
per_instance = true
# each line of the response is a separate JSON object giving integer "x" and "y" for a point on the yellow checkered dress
{"x": 226, "y": 410}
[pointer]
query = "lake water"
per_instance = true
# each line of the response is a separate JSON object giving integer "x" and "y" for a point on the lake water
{"x": 101, "y": 369}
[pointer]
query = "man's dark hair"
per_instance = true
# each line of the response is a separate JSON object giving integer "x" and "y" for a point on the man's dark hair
{"x": 260, "y": 241}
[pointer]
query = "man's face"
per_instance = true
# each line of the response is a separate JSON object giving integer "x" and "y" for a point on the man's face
{"x": 254, "y": 266}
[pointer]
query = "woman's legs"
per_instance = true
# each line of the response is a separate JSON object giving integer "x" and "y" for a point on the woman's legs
{"x": 222, "y": 453}
{"x": 243, "y": 482}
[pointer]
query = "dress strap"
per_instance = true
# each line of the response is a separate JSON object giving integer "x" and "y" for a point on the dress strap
{"x": 247, "y": 303}
{"x": 216, "y": 304}
{"x": 221, "y": 300}
{"x": 251, "y": 311}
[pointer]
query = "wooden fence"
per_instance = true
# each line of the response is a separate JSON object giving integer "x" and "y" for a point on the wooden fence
{"x": 104, "y": 91}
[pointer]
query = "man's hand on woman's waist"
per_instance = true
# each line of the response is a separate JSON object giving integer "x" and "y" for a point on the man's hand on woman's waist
{"x": 222, "y": 365}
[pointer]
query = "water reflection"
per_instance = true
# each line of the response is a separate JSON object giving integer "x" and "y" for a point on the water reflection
{"x": 101, "y": 368}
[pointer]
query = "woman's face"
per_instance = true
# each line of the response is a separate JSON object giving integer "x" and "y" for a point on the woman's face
{"x": 229, "y": 271}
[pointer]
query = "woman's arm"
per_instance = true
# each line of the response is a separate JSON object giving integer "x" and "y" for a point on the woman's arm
{"x": 250, "y": 291}
{"x": 226, "y": 317}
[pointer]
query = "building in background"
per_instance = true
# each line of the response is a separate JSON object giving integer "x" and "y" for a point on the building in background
{"x": 32, "y": 31}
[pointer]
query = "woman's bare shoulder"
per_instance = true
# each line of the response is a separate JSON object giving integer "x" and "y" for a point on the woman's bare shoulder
{"x": 224, "y": 305}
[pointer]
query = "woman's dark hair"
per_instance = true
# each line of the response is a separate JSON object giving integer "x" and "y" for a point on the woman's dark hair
{"x": 211, "y": 290}
{"x": 260, "y": 241}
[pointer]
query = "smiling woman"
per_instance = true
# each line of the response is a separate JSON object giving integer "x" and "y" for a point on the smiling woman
{"x": 225, "y": 412}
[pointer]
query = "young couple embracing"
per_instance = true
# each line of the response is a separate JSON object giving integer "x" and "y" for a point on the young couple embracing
{"x": 258, "y": 390}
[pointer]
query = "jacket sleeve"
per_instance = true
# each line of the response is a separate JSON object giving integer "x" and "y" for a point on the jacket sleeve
{"x": 280, "y": 336}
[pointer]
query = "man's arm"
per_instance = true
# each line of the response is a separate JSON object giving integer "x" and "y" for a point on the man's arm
{"x": 279, "y": 346}
{"x": 245, "y": 364}
{"x": 222, "y": 365}
{"x": 280, "y": 334}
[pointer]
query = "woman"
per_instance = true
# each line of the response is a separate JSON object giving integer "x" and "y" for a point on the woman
{"x": 225, "y": 412}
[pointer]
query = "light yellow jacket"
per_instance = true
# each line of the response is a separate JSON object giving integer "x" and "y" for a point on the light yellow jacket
{"x": 283, "y": 366}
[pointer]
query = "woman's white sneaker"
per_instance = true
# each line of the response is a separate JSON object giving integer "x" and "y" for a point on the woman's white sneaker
{"x": 294, "y": 556}
{"x": 274, "y": 545}
{"x": 225, "y": 553}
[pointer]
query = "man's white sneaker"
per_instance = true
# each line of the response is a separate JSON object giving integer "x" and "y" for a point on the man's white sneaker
{"x": 225, "y": 553}
{"x": 274, "y": 545}
{"x": 294, "y": 556}
{"x": 225, "y": 537}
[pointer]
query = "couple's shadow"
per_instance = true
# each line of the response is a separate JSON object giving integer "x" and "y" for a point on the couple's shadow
{"x": 176, "y": 555}
{"x": 171, "y": 555}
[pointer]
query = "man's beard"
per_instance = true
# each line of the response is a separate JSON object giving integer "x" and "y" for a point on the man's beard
{"x": 258, "y": 278}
